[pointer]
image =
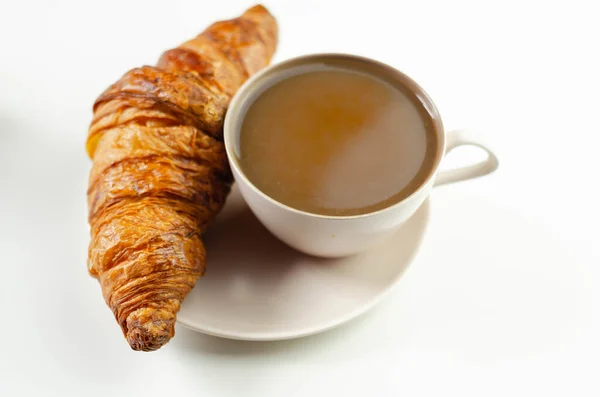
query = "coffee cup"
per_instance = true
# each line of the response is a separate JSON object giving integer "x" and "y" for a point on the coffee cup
{"x": 332, "y": 235}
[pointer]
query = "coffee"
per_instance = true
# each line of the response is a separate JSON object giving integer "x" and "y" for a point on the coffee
{"x": 337, "y": 142}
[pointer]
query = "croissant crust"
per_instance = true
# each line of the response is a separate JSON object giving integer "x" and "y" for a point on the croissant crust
{"x": 160, "y": 172}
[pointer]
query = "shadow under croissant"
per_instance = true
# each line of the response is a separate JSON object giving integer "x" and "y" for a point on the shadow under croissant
{"x": 235, "y": 241}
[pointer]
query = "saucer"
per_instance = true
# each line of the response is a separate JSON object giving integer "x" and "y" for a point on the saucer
{"x": 258, "y": 288}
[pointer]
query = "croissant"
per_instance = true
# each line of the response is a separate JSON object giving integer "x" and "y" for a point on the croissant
{"x": 160, "y": 172}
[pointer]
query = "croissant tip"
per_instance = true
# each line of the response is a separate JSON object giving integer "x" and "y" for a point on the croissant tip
{"x": 257, "y": 8}
{"x": 141, "y": 340}
{"x": 149, "y": 329}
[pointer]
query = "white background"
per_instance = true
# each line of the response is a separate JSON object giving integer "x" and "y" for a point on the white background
{"x": 503, "y": 298}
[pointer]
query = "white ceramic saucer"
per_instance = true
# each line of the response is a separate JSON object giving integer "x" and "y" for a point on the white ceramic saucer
{"x": 257, "y": 288}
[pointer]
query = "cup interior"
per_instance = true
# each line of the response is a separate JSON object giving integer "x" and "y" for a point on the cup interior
{"x": 274, "y": 74}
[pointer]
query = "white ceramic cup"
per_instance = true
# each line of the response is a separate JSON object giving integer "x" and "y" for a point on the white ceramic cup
{"x": 334, "y": 236}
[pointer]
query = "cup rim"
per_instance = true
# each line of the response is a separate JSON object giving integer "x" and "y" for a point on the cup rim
{"x": 252, "y": 83}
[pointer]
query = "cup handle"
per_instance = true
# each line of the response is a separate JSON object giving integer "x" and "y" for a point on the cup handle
{"x": 455, "y": 139}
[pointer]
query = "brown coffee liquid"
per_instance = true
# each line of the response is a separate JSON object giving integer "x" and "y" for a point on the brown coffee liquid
{"x": 337, "y": 142}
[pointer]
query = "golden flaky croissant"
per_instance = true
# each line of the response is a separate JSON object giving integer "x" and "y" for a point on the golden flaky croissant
{"x": 160, "y": 172}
